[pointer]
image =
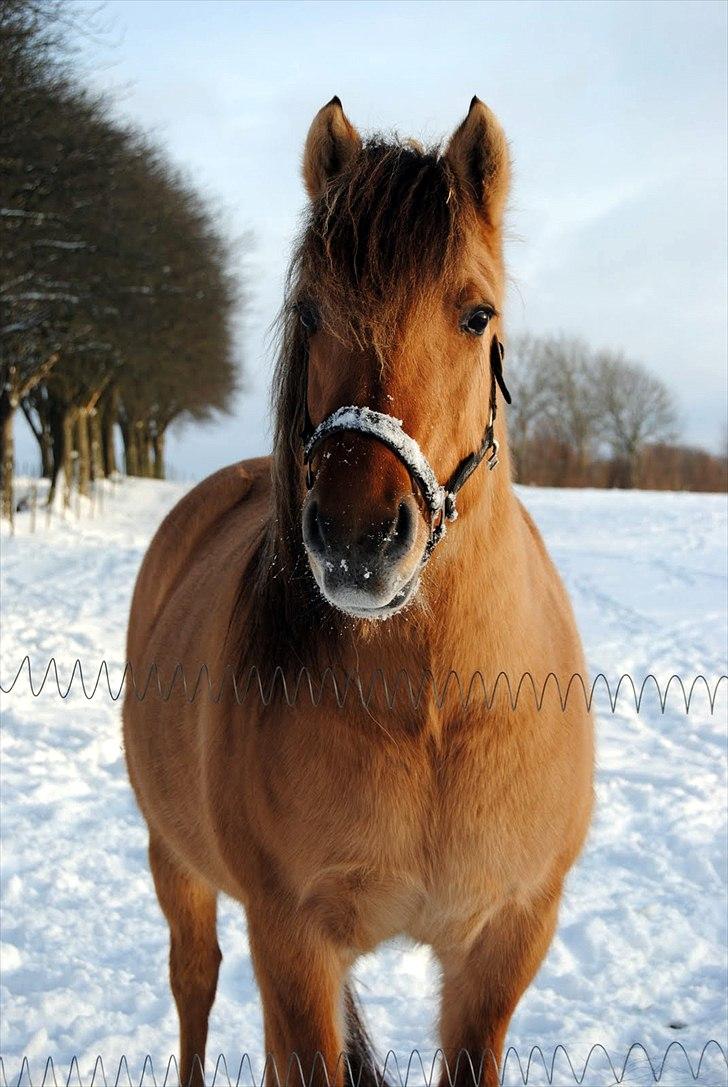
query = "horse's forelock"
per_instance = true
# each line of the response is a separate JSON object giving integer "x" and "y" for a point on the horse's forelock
{"x": 386, "y": 230}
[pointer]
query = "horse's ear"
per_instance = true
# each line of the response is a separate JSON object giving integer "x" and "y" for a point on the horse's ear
{"x": 478, "y": 152}
{"x": 331, "y": 142}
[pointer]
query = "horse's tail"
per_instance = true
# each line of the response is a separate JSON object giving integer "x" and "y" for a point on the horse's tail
{"x": 362, "y": 1062}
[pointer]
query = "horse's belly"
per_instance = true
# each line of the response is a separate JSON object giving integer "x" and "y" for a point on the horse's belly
{"x": 478, "y": 872}
{"x": 358, "y": 879}
{"x": 359, "y": 908}
{"x": 490, "y": 851}
{"x": 395, "y": 882}
{"x": 441, "y": 897}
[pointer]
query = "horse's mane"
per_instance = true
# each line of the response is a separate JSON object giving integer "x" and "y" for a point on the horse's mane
{"x": 386, "y": 230}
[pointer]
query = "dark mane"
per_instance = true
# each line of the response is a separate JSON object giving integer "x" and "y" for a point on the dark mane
{"x": 386, "y": 231}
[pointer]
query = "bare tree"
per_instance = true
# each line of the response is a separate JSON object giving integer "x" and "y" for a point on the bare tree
{"x": 636, "y": 408}
{"x": 554, "y": 411}
{"x": 43, "y": 159}
{"x": 570, "y": 403}
{"x": 17, "y": 382}
{"x": 116, "y": 295}
{"x": 567, "y": 372}
{"x": 531, "y": 400}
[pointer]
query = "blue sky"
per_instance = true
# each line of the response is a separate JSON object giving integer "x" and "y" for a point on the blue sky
{"x": 616, "y": 114}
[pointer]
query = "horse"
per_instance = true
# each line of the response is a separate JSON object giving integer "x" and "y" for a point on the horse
{"x": 338, "y": 820}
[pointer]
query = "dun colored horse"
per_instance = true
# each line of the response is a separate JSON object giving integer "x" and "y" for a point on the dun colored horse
{"x": 337, "y": 824}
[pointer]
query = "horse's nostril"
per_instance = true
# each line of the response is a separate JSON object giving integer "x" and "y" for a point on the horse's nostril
{"x": 404, "y": 531}
{"x": 313, "y": 535}
{"x": 339, "y": 545}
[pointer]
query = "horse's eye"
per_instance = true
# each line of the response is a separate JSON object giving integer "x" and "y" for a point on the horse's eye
{"x": 308, "y": 316}
{"x": 477, "y": 320}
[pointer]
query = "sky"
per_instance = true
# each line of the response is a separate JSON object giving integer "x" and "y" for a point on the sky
{"x": 616, "y": 116}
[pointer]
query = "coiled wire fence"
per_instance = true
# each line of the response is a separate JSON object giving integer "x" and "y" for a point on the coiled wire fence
{"x": 391, "y": 689}
{"x": 558, "y": 1068}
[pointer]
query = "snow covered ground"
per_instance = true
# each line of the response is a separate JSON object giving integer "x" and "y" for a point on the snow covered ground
{"x": 641, "y": 949}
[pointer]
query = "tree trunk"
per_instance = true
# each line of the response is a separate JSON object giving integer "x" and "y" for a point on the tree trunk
{"x": 158, "y": 443}
{"x": 143, "y": 450}
{"x": 128, "y": 434}
{"x": 7, "y": 452}
{"x": 41, "y": 432}
{"x": 148, "y": 454}
{"x": 619, "y": 472}
{"x": 84, "y": 453}
{"x": 633, "y": 468}
{"x": 11, "y": 396}
{"x": 97, "y": 454}
{"x": 57, "y": 436}
{"x": 37, "y": 431}
{"x": 68, "y": 421}
{"x": 46, "y": 450}
{"x": 108, "y": 418}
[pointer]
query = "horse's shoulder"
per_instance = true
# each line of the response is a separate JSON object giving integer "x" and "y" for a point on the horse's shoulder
{"x": 187, "y": 530}
{"x": 548, "y": 587}
{"x": 540, "y": 564}
{"x": 212, "y": 499}
{"x": 532, "y": 530}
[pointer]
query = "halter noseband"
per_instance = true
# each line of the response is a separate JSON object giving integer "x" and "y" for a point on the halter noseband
{"x": 439, "y": 500}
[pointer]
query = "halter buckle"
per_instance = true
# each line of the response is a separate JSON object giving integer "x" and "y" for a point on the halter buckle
{"x": 493, "y": 455}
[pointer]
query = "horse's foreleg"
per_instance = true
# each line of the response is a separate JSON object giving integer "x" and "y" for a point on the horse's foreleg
{"x": 301, "y": 980}
{"x": 482, "y": 987}
{"x": 194, "y": 956}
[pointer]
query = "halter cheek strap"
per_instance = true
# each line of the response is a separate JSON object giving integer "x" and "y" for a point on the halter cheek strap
{"x": 439, "y": 500}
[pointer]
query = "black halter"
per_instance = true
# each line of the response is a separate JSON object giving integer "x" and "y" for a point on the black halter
{"x": 439, "y": 500}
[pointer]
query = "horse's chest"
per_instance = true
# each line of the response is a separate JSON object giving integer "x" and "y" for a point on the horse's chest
{"x": 422, "y": 844}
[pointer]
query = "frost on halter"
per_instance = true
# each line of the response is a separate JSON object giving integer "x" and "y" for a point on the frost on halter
{"x": 389, "y": 431}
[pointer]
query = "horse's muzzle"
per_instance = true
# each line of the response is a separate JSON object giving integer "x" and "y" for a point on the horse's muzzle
{"x": 370, "y": 573}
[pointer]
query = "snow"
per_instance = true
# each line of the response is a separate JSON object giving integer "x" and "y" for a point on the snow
{"x": 388, "y": 429}
{"x": 640, "y": 953}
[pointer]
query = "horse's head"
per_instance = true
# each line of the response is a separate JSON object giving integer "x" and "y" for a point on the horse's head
{"x": 397, "y": 291}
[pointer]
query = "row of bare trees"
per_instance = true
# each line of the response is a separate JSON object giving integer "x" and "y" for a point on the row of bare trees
{"x": 116, "y": 295}
{"x": 586, "y": 418}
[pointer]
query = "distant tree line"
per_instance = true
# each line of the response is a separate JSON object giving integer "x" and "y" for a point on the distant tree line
{"x": 584, "y": 418}
{"x": 116, "y": 295}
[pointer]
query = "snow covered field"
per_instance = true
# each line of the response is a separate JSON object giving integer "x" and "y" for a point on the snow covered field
{"x": 641, "y": 949}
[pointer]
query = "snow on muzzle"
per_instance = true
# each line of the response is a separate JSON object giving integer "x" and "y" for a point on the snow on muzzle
{"x": 363, "y": 527}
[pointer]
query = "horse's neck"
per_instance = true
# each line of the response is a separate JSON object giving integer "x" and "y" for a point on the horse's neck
{"x": 473, "y": 584}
